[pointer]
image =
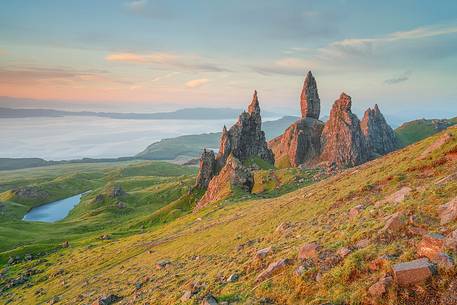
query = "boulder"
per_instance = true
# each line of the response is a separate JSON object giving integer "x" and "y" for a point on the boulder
{"x": 233, "y": 278}
{"x": 309, "y": 251}
{"x": 272, "y": 268}
{"x": 107, "y": 300}
{"x": 209, "y": 300}
{"x": 448, "y": 212}
{"x": 379, "y": 136}
{"x": 342, "y": 140}
{"x": 355, "y": 211}
{"x": 160, "y": 264}
{"x": 262, "y": 253}
{"x": 117, "y": 191}
{"x": 363, "y": 243}
{"x": 380, "y": 287}
{"x": 343, "y": 252}
{"x": 431, "y": 245}
{"x": 413, "y": 272}
{"x": 394, "y": 224}
{"x": 396, "y": 197}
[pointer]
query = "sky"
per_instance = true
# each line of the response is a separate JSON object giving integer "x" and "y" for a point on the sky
{"x": 146, "y": 55}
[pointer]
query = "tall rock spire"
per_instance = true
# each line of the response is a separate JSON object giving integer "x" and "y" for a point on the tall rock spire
{"x": 254, "y": 107}
{"x": 309, "y": 99}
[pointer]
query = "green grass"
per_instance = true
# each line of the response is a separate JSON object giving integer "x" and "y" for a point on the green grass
{"x": 414, "y": 131}
{"x": 208, "y": 245}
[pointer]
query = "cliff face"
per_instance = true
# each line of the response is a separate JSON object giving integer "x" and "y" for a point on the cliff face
{"x": 342, "y": 140}
{"x": 242, "y": 141}
{"x": 378, "y": 134}
{"x": 299, "y": 144}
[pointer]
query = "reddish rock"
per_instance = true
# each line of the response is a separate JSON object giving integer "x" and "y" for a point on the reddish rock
{"x": 378, "y": 263}
{"x": 310, "y": 102}
{"x": 380, "y": 287}
{"x": 431, "y": 245}
{"x": 271, "y": 269}
{"x": 343, "y": 252}
{"x": 342, "y": 141}
{"x": 379, "y": 136}
{"x": 300, "y": 143}
{"x": 262, "y": 253}
{"x": 417, "y": 231}
{"x": 362, "y": 243}
{"x": 448, "y": 211}
{"x": 413, "y": 272}
{"x": 309, "y": 251}
{"x": 233, "y": 174}
{"x": 394, "y": 224}
{"x": 396, "y": 197}
{"x": 242, "y": 141}
{"x": 355, "y": 211}
{"x": 451, "y": 241}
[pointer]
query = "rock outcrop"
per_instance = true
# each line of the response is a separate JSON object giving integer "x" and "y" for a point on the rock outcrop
{"x": 243, "y": 141}
{"x": 233, "y": 174}
{"x": 300, "y": 143}
{"x": 379, "y": 136}
{"x": 310, "y": 103}
{"x": 342, "y": 140}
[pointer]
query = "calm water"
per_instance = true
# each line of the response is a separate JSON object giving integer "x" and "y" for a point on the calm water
{"x": 78, "y": 137}
{"x": 53, "y": 211}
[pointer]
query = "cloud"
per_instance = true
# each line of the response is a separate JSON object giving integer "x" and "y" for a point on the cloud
{"x": 136, "y": 5}
{"x": 195, "y": 83}
{"x": 27, "y": 75}
{"x": 167, "y": 60}
{"x": 399, "y": 79}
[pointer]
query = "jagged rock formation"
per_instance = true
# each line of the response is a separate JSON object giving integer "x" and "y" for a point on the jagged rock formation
{"x": 233, "y": 174}
{"x": 379, "y": 136}
{"x": 299, "y": 144}
{"x": 342, "y": 140}
{"x": 310, "y": 103}
{"x": 243, "y": 141}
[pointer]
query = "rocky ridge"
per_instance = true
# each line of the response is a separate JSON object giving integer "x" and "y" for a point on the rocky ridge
{"x": 243, "y": 141}
{"x": 343, "y": 141}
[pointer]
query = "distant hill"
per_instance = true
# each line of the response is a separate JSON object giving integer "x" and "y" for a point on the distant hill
{"x": 192, "y": 145}
{"x": 414, "y": 131}
{"x": 181, "y": 114}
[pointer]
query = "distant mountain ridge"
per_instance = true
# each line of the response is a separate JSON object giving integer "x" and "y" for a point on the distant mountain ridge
{"x": 200, "y": 113}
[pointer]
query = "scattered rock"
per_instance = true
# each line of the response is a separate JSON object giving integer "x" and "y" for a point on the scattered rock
{"x": 451, "y": 241}
{"x": 362, "y": 243}
{"x": 186, "y": 296}
{"x": 99, "y": 198}
{"x": 396, "y": 197}
{"x": 272, "y": 268}
{"x": 413, "y": 272}
{"x": 431, "y": 245}
{"x": 378, "y": 263}
{"x": 343, "y": 252}
{"x": 283, "y": 227}
{"x": 380, "y": 287}
{"x": 121, "y": 205}
{"x": 65, "y": 244}
{"x": 262, "y": 253}
{"x": 30, "y": 193}
{"x": 300, "y": 270}
{"x": 448, "y": 211}
{"x": 162, "y": 263}
{"x": 107, "y": 300}
{"x": 233, "y": 278}
{"x": 105, "y": 237}
{"x": 117, "y": 191}
{"x": 394, "y": 224}
{"x": 309, "y": 251}
{"x": 209, "y": 300}
{"x": 355, "y": 211}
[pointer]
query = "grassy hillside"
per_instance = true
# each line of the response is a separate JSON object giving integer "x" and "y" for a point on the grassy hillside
{"x": 199, "y": 251}
{"x": 414, "y": 131}
{"x": 192, "y": 145}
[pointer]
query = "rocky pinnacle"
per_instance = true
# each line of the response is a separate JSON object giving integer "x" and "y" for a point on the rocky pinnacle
{"x": 309, "y": 99}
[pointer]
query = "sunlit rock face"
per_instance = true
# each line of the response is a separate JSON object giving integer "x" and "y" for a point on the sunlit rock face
{"x": 310, "y": 102}
{"x": 342, "y": 140}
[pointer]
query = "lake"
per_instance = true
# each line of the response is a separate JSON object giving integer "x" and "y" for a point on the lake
{"x": 53, "y": 211}
{"x": 76, "y": 137}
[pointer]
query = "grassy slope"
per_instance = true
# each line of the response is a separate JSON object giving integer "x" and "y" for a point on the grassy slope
{"x": 414, "y": 131}
{"x": 149, "y": 186}
{"x": 222, "y": 239}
